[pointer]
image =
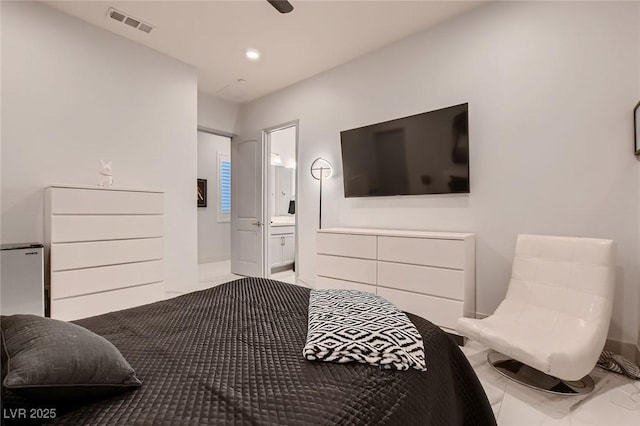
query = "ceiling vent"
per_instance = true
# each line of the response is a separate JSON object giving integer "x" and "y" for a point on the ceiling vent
{"x": 129, "y": 20}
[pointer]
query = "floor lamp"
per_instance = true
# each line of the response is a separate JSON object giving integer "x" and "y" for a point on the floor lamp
{"x": 320, "y": 170}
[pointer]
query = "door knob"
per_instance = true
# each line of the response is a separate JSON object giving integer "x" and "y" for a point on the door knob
{"x": 258, "y": 223}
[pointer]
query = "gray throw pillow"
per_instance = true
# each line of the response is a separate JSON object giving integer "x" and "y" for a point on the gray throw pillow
{"x": 51, "y": 360}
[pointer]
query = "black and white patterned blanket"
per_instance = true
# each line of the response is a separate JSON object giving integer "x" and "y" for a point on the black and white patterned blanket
{"x": 618, "y": 364}
{"x": 355, "y": 326}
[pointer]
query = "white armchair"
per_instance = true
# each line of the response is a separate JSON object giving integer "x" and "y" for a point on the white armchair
{"x": 555, "y": 316}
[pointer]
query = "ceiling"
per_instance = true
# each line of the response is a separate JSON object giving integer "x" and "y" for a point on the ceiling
{"x": 213, "y": 36}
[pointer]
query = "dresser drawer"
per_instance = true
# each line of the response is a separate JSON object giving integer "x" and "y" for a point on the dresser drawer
{"x": 103, "y": 201}
{"x": 423, "y": 251}
{"x": 441, "y": 312}
{"x": 76, "y": 228}
{"x": 105, "y": 278}
{"x": 347, "y": 268}
{"x": 88, "y": 305}
{"x": 103, "y": 253}
{"x": 362, "y": 246}
{"x": 324, "y": 282}
{"x": 440, "y": 282}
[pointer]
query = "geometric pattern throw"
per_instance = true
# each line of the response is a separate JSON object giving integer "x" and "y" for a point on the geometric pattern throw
{"x": 356, "y": 326}
{"x": 618, "y": 364}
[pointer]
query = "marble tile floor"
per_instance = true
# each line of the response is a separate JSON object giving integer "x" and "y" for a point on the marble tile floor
{"x": 615, "y": 401}
{"x": 209, "y": 275}
{"x": 216, "y": 273}
{"x": 287, "y": 276}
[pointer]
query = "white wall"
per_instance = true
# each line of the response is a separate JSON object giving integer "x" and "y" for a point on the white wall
{"x": 73, "y": 94}
{"x": 284, "y": 143}
{"x": 549, "y": 87}
{"x": 216, "y": 114}
{"x": 214, "y": 238}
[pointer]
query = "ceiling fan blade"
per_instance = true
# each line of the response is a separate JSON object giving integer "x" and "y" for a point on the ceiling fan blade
{"x": 282, "y": 6}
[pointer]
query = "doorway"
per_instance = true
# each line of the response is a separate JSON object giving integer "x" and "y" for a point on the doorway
{"x": 280, "y": 202}
{"x": 214, "y": 209}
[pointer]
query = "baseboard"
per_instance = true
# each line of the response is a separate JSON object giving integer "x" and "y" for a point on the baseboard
{"x": 626, "y": 349}
{"x": 276, "y": 269}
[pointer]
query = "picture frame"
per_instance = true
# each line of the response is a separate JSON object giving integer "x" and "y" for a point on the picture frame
{"x": 636, "y": 129}
{"x": 202, "y": 193}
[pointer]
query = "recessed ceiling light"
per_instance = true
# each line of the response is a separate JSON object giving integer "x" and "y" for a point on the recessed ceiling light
{"x": 252, "y": 54}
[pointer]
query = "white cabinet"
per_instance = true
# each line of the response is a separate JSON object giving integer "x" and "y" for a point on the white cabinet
{"x": 288, "y": 249}
{"x": 431, "y": 274}
{"x": 106, "y": 249}
{"x": 282, "y": 245}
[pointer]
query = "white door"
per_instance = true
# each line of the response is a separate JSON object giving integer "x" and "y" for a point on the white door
{"x": 246, "y": 208}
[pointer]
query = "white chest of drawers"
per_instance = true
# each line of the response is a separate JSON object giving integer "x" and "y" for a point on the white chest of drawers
{"x": 431, "y": 274}
{"x": 106, "y": 249}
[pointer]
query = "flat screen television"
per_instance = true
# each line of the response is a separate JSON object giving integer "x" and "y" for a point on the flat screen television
{"x": 425, "y": 153}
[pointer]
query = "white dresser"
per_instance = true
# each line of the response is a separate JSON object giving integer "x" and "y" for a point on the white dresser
{"x": 430, "y": 274}
{"x": 105, "y": 249}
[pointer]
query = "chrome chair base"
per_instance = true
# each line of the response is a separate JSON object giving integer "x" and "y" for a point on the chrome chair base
{"x": 528, "y": 376}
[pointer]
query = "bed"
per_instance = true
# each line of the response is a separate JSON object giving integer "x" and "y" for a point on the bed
{"x": 233, "y": 355}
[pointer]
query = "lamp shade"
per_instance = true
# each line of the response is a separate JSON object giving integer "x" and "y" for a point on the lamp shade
{"x": 321, "y": 167}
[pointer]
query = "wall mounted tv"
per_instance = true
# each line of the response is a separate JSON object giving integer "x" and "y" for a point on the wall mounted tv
{"x": 425, "y": 153}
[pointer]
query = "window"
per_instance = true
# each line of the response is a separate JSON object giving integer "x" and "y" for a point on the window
{"x": 224, "y": 188}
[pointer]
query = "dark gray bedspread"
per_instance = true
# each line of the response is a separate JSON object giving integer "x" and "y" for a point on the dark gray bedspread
{"x": 233, "y": 355}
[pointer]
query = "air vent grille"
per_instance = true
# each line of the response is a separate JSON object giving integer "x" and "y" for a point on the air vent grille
{"x": 144, "y": 27}
{"x": 117, "y": 16}
{"x": 129, "y": 20}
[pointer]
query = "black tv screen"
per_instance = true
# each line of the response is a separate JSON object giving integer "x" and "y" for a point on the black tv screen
{"x": 425, "y": 153}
